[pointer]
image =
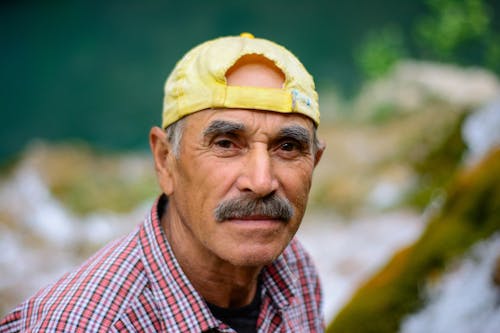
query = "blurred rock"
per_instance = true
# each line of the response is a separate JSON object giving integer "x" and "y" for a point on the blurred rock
{"x": 403, "y": 161}
{"x": 86, "y": 181}
{"x": 410, "y": 140}
{"x": 413, "y": 86}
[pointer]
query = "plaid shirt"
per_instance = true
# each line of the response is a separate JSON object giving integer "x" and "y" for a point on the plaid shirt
{"x": 135, "y": 284}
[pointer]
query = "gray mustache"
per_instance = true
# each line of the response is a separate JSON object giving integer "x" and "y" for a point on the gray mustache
{"x": 271, "y": 206}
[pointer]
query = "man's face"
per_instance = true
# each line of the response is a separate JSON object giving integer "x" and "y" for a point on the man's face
{"x": 241, "y": 154}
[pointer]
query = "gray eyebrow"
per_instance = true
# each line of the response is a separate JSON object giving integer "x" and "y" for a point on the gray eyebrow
{"x": 299, "y": 133}
{"x": 222, "y": 127}
{"x": 296, "y": 132}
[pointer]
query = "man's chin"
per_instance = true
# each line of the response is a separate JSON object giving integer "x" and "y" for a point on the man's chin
{"x": 254, "y": 256}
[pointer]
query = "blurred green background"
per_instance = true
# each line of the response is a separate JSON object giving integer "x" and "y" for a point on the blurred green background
{"x": 95, "y": 70}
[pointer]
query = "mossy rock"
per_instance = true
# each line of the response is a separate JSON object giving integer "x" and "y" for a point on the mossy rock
{"x": 469, "y": 214}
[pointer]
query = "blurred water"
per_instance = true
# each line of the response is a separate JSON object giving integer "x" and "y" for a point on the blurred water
{"x": 481, "y": 130}
{"x": 347, "y": 252}
{"x": 466, "y": 299}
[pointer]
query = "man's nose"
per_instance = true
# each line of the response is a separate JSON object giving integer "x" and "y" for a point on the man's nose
{"x": 257, "y": 175}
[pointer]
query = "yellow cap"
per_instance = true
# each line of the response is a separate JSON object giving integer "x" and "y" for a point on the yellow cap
{"x": 198, "y": 81}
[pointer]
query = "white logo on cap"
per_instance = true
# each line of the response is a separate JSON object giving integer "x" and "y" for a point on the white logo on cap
{"x": 298, "y": 97}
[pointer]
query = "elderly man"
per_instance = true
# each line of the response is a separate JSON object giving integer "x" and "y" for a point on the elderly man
{"x": 234, "y": 159}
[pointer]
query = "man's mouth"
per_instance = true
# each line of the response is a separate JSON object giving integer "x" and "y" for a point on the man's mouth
{"x": 257, "y": 218}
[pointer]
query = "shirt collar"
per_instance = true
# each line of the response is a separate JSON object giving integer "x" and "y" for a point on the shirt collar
{"x": 280, "y": 281}
{"x": 180, "y": 305}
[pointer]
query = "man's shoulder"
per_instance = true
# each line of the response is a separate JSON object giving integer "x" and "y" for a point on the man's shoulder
{"x": 94, "y": 295}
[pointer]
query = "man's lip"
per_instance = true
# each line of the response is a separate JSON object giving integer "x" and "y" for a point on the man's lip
{"x": 255, "y": 219}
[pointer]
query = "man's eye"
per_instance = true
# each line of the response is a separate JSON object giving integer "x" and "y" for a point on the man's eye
{"x": 224, "y": 143}
{"x": 290, "y": 146}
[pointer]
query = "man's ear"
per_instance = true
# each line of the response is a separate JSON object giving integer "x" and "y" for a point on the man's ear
{"x": 163, "y": 157}
{"x": 319, "y": 152}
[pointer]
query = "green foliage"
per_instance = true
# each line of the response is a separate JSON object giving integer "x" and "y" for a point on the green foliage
{"x": 379, "y": 51}
{"x": 456, "y": 31}
{"x": 492, "y": 53}
{"x": 470, "y": 213}
{"x": 450, "y": 24}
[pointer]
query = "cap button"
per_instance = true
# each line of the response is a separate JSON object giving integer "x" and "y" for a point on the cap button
{"x": 247, "y": 35}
